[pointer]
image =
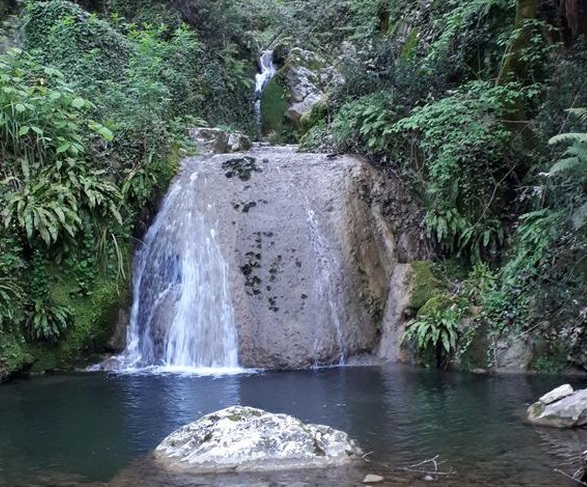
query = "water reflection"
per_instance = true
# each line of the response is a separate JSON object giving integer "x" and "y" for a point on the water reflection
{"x": 96, "y": 424}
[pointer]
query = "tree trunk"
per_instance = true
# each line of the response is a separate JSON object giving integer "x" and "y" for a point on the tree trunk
{"x": 512, "y": 67}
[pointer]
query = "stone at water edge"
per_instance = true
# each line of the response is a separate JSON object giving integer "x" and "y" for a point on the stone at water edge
{"x": 556, "y": 394}
{"x": 563, "y": 411}
{"x": 252, "y": 440}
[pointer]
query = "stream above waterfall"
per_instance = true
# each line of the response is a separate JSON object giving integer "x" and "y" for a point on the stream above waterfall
{"x": 93, "y": 426}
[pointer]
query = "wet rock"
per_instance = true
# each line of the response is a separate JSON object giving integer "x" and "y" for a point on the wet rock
{"x": 562, "y": 410}
{"x": 556, "y": 394}
{"x": 315, "y": 275}
{"x": 514, "y": 353}
{"x": 238, "y": 142}
{"x": 373, "y": 479}
{"x": 217, "y": 141}
{"x": 246, "y": 439}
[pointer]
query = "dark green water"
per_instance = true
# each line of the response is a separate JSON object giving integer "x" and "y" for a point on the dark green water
{"x": 95, "y": 425}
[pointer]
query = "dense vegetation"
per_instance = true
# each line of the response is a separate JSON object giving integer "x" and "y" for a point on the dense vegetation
{"x": 94, "y": 114}
{"x": 479, "y": 108}
{"x": 477, "y": 105}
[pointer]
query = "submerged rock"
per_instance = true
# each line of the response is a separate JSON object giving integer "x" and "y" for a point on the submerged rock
{"x": 252, "y": 440}
{"x": 560, "y": 408}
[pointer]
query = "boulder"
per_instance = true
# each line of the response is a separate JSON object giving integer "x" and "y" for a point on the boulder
{"x": 246, "y": 439}
{"x": 307, "y": 76}
{"x": 514, "y": 353}
{"x": 211, "y": 141}
{"x": 560, "y": 409}
{"x": 556, "y": 394}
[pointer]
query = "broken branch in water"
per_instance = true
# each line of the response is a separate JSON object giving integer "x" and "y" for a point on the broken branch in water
{"x": 423, "y": 468}
{"x": 572, "y": 477}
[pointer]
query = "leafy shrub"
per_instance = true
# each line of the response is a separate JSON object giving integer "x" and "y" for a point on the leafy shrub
{"x": 48, "y": 321}
{"x": 365, "y": 124}
{"x": 463, "y": 148}
{"x": 436, "y": 333}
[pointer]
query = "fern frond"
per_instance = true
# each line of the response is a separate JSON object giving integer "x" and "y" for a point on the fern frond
{"x": 577, "y": 150}
{"x": 568, "y": 137}
{"x": 567, "y": 164}
{"x": 580, "y": 113}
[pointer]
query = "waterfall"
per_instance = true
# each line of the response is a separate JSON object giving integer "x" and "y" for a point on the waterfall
{"x": 326, "y": 267}
{"x": 182, "y": 313}
{"x": 261, "y": 79}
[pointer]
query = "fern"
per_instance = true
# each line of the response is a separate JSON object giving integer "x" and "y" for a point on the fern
{"x": 48, "y": 320}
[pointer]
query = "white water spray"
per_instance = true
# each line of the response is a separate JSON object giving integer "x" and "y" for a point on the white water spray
{"x": 268, "y": 69}
{"x": 182, "y": 313}
{"x": 326, "y": 266}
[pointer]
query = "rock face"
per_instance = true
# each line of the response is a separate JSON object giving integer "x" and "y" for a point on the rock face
{"x": 315, "y": 249}
{"x": 217, "y": 141}
{"x": 306, "y": 75}
{"x": 560, "y": 408}
{"x": 247, "y": 439}
{"x": 514, "y": 354}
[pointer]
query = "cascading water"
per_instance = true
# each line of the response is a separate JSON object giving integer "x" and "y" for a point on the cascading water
{"x": 268, "y": 69}
{"x": 325, "y": 268}
{"x": 182, "y": 313}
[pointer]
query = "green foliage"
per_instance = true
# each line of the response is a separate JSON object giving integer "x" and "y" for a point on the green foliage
{"x": 366, "y": 123}
{"x": 436, "y": 333}
{"x": 48, "y": 321}
{"x": 80, "y": 44}
{"x": 11, "y": 289}
{"x": 48, "y": 185}
{"x": 463, "y": 148}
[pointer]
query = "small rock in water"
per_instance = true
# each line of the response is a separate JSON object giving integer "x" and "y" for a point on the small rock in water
{"x": 373, "y": 479}
{"x": 429, "y": 478}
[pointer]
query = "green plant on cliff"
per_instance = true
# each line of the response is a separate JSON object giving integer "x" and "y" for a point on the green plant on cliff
{"x": 462, "y": 159}
{"x": 366, "y": 123}
{"x": 435, "y": 333}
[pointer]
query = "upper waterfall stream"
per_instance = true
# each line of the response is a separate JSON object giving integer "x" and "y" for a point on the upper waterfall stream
{"x": 267, "y": 72}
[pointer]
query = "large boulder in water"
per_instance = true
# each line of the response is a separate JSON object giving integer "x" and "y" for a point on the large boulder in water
{"x": 560, "y": 408}
{"x": 248, "y": 439}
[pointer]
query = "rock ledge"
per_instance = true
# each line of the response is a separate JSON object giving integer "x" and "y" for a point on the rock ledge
{"x": 248, "y": 439}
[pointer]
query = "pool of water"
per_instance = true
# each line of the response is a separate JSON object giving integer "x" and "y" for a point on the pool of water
{"x": 93, "y": 426}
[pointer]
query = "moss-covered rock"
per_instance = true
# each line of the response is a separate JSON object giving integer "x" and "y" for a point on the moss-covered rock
{"x": 96, "y": 318}
{"x": 425, "y": 284}
{"x": 274, "y": 105}
{"x": 13, "y": 354}
{"x": 436, "y": 304}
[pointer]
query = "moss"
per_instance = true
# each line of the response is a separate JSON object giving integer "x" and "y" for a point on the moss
{"x": 473, "y": 346}
{"x": 315, "y": 117}
{"x": 274, "y": 105}
{"x": 95, "y": 318}
{"x": 436, "y": 304}
{"x": 411, "y": 45}
{"x": 425, "y": 284}
{"x": 13, "y": 355}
